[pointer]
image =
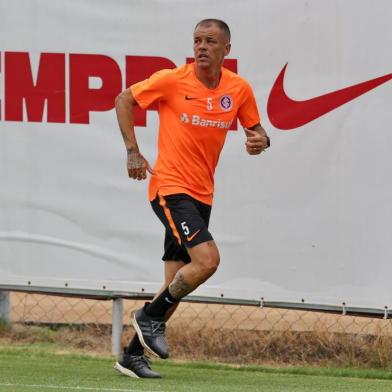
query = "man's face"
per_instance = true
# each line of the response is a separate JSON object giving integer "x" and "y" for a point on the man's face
{"x": 210, "y": 46}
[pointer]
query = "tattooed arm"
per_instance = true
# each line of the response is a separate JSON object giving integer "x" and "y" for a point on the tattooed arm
{"x": 136, "y": 163}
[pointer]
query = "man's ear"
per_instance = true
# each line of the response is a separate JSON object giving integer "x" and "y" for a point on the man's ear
{"x": 227, "y": 49}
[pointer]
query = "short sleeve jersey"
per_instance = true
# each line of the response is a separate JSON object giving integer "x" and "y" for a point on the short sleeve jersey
{"x": 193, "y": 124}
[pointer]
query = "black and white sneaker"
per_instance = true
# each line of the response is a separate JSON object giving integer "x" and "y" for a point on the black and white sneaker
{"x": 151, "y": 332}
{"x": 137, "y": 366}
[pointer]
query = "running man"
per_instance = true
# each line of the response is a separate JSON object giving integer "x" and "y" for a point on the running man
{"x": 197, "y": 105}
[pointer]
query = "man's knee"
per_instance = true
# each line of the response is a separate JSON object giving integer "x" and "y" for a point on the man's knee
{"x": 211, "y": 263}
{"x": 206, "y": 258}
{"x": 210, "y": 267}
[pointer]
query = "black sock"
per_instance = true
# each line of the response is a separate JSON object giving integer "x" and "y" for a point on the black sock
{"x": 161, "y": 304}
{"x": 135, "y": 347}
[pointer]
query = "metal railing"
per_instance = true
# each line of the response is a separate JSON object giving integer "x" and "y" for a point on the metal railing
{"x": 105, "y": 314}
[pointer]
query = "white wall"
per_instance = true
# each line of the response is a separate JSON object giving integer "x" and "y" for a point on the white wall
{"x": 308, "y": 219}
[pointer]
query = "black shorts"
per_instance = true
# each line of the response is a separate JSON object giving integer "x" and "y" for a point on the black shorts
{"x": 186, "y": 220}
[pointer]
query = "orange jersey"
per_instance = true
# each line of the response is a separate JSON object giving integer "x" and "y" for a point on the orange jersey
{"x": 194, "y": 121}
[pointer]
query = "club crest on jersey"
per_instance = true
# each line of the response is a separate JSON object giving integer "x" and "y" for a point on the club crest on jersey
{"x": 226, "y": 102}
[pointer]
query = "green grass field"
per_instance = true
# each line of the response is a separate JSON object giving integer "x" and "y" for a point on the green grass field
{"x": 39, "y": 368}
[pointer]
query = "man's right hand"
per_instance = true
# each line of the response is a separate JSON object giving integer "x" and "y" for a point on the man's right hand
{"x": 137, "y": 165}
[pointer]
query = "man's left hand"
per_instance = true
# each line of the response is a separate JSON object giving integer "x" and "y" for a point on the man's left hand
{"x": 256, "y": 140}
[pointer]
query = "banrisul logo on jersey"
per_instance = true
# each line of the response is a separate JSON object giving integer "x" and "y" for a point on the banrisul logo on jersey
{"x": 184, "y": 118}
{"x": 202, "y": 122}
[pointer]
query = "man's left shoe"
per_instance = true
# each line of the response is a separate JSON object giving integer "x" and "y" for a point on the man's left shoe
{"x": 151, "y": 332}
{"x": 137, "y": 366}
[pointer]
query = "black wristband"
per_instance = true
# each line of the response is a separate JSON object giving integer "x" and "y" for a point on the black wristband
{"x": 268, "y": 140}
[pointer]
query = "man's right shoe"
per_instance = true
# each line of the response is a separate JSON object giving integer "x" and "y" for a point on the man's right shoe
{"x": 137, "y": 366}
{"x": 151, "y": 332}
